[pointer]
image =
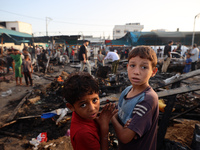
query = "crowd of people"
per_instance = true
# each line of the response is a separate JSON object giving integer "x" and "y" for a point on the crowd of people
{"x": 71, "y": 53}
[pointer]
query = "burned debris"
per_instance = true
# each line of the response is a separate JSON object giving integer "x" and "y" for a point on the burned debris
{"x": 26, "y": 122}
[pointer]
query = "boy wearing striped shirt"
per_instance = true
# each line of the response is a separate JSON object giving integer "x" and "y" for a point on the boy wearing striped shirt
{"x": 138, "y": 103}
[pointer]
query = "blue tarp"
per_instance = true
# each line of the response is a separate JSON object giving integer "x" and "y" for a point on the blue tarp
{"x": 155, "y": 38}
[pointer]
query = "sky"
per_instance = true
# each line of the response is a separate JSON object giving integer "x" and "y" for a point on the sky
{"x": 98, "y": 17}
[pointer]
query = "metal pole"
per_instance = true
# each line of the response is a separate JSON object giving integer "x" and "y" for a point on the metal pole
{"x": 46, "y": 27}
{"x": 194, "y": 29}
{"x": 193, "y": 32}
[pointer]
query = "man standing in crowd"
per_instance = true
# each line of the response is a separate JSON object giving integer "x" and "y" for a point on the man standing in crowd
{"x": 83, "y": 57}
{"x": 167, "y": 56}
{"x": 38, "y": 52}
{"x": 115, "y": 60}
{"x": 194, "y": 56}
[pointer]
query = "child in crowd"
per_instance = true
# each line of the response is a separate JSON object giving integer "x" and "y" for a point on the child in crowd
{"x": 27, "y": 70}
{"x": 88, "y": 131}
{"x": 188, "y": 63}
{"x": 138, "y": 103}
{"x": 100, "y": 59}
{"x": 72, "y": 55}
{"x": 16, "y": 56}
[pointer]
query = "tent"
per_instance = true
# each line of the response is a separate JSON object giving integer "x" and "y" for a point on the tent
{"x": 10, "y": 36}
{"x": 155, "y": 38}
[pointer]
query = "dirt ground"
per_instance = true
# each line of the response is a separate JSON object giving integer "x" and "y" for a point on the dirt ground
{"x": 18, "y": 134}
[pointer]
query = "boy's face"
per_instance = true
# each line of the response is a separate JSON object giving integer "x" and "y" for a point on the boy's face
{"x": 87, "y": 107}
{"x": 140, "y": 71}
{"x": 188, "y": 56}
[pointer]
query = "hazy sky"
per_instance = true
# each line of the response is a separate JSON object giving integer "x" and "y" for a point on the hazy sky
{"x": 98, "y": 17}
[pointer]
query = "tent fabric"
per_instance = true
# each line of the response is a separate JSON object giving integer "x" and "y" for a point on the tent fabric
{"x": 14, "y": 33}
{"x": 10, "y": 36}
{"x": 155, "y": 38}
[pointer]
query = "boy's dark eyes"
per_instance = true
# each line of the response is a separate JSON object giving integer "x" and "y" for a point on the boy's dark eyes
{"x": 143, "y": 67}
{"x": 95, "y": 100}
{"x": 83, "y": 105}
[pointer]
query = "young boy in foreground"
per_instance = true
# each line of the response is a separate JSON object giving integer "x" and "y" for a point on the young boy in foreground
{"x": 88, "y": 131}
{"x": 138, "y": 103}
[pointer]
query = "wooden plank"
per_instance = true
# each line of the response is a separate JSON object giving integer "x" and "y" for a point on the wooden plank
{"x": 11, "y": 117}
{"x": 11, "y": 134}
{"x": 182, "y": 77}
{"x": 180, "y": 90}
{"x": 194, "y": 107}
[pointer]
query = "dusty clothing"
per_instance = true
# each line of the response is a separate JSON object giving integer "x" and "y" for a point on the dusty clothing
{"x": 166, "y": 64}
{"x": 115, "y": 60}
{"x": 144, "y": 111}
{"x": 100, "y": 59}
{"x": 84, "y": 134}
{"x": 194, "y": 58}
{"x": 87, "y": 65}
{"x": 18, "y": 62}
{"x": 112, "y": 55}
{"x": 115, "y": 65}
{"x": 26, "y": 66}
{"x": 27, "y": 71}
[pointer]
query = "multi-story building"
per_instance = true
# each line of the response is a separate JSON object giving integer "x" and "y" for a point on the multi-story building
{"x": 120, "y": 30}
{"x": 17, "y": 26}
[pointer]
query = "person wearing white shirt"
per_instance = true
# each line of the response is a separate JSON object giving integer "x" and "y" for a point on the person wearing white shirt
{"x": 115, "y": 60}
{"x": 194, "y": 56}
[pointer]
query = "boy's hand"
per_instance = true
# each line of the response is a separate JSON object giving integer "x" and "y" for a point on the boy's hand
{"x": 106, "y": 114}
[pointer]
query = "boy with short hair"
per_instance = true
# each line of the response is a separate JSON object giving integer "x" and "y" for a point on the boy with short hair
{"x": 27, "y": 70}
{"x": 138, "y": 103}
{"x": 88, "y": 131}
{"x": 188, "y": 63}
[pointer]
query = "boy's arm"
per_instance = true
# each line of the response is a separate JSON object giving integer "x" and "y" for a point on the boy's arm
{"x": 125, "y": 135}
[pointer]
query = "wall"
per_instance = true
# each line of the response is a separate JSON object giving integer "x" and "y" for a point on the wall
{"x": 126, "y": 28}
{"x": 19, "y": 26}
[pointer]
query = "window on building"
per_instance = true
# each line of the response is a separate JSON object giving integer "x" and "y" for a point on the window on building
{"x": 117, "y": 31}
{"x": 13, "y": 28}
{"x": 135, "y": 31}
{"x": 125, "y": 31}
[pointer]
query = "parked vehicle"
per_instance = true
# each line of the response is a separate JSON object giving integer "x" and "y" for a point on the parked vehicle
{"x": 177, "y": 63}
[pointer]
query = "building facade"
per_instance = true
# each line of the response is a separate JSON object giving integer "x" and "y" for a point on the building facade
{"x": 121, "y": 30}
{"x": 17, "y": 26}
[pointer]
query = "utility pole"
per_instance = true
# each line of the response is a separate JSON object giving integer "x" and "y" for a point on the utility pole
{"x": 47, "y": 19}
{"x": 194, "y": 29}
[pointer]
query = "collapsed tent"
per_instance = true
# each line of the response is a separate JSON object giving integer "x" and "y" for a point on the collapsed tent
{"x": 69, "y": 40}
{"x": 155, "y": 38}
{"x": 10, "y": 36}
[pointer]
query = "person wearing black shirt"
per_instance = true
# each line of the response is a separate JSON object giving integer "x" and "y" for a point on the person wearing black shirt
{"x": 167, "y": 56}
{"x": 83, "y": 57}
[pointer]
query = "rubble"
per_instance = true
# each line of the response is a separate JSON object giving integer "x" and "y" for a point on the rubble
{"x": 26, "y": 123}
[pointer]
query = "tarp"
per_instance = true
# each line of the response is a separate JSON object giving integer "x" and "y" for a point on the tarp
{"x": 10, "y": 36}
{"x": 71, "y": 40}
{"x": 155, "y": 38}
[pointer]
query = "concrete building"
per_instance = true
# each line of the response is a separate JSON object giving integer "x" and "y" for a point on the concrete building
{"x": 17, "y": 26}
{"x": 120, "y": 30}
